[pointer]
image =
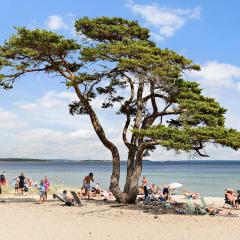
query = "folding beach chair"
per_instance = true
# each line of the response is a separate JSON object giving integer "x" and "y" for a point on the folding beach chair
{"x": 196, "y": 209}
{"x": 191, "y": 208}
{"x": 203, "y": 202}
{"x": 62, "y": 199}
{"x": 201, "y": 209}
{"x": 76, "y": 198}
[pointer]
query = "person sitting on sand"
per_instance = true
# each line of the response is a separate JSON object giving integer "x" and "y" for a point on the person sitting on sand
{"x": 153, "y": 188}
{"x": 189, "y": 194}
{"x": 108, "y": 196}
{"x": 67, "y": 196}
{"x": 216, "y": 211}
{"x": 97, "y": 190}
{"x": 232, "y": 197}
{"x": 86, "y": 184}
{"x": 166, "y": 193}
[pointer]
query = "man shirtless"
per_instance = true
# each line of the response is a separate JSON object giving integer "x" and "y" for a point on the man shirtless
{"x": 86, "y": 183}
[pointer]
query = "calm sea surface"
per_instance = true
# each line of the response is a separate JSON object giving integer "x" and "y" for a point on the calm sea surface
{"x": 210, "y": 178}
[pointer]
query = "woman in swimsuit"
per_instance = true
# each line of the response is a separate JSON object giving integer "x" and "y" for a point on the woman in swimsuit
{"x": 232, "y": 197}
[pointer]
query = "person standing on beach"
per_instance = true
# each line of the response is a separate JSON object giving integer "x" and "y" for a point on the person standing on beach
{"x": 144, "y": 186}
{"x": 42, "y": 191}
{"x": 3, "y": 180}
{"x": 17, "y": 180}
{"x": 21, "y": 182}
{"x": 29, "y": 182}
{"x": 47, "y": 186}
{"x": 86, "y": 183}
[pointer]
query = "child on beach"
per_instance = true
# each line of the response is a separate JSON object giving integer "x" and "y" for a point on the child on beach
{"x": 41, "y": 189}
{"x": 47, "y": 186}
{"x": 17, "y": 180}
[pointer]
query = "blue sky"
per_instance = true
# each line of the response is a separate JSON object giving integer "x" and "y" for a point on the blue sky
{"x": 34, "y": 119}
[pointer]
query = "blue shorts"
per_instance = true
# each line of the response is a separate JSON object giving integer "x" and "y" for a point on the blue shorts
{"x": 87, "y": 187}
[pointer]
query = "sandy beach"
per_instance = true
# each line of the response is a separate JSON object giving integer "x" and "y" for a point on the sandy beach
{"x": 22, "y": 217}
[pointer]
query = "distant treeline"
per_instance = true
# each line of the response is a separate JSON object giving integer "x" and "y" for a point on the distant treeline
{"x": 22, "y": 160}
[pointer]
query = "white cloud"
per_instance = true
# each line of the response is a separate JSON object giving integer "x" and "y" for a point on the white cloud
{"x": 9, "y": 120}
{"x": 165, "y": 20}
{"x": 56, "y": 22}
{"x": 216, "y": 74}
{"x": 50, "y": 100}
{"x": 45, "y": 129}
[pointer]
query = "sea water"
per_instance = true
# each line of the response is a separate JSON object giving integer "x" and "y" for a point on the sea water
{"x": 210, "y": 178}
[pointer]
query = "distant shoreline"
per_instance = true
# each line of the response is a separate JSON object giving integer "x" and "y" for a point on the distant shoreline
{"x": 110, "y": 161}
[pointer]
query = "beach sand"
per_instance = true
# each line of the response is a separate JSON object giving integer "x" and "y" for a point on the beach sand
{"x": 21, "y": 218}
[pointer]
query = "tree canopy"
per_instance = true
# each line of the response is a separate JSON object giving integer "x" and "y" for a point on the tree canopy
{"x": 118, "y": 61}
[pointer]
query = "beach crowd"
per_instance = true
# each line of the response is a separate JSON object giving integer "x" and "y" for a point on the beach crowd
{"x": 146, "y": 192}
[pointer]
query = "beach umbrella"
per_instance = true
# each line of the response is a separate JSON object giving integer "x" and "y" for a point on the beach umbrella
{"x": 175, "y": 185}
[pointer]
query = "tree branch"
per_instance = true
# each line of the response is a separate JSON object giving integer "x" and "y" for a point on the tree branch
{"x": 149, "y": 120}
{"x": 128, "y": 114}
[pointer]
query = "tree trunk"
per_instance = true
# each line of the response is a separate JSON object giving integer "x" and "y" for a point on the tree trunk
{"x": 134, "y": 165}
{"x": 132, "y": 180}
{"x": 130, "y": 166}
{"x": 114, "y": 183}
{"x": 132, "y": 186}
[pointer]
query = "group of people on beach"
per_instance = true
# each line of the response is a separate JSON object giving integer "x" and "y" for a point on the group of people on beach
{"x": 164, "y": 193}
{"x": 23, "y": 184}
{"x": 87, "y": 191}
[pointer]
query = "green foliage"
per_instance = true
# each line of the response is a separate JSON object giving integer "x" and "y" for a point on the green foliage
{"x": 119, "y": 62}
{"x": 35, "y": 50}
{"x": 188, "y": 138}
{"x": 197, "y": 109}
{"x": 107, "y": 29}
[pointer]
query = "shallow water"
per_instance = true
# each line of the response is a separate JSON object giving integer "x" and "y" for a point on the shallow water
{"x": 210, "y": 178}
